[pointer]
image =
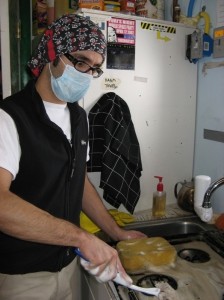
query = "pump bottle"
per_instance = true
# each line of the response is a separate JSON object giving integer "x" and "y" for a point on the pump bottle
{"x": 159, "y": 200}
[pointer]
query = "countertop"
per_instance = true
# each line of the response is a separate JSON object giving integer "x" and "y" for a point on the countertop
{"x": 172, "y": 211}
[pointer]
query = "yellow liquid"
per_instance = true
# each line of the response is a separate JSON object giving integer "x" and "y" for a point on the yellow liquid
{"x": 159, "y": 206}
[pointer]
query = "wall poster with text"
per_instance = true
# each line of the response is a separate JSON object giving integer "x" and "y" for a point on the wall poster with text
{"x": 121, "y": 44}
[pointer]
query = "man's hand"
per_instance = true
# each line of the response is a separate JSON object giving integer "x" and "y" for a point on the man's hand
{"x": 129, "y": 234}
{"x": 101, "y": 260}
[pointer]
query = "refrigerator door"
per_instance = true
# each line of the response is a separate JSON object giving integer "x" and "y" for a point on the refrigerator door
{"x": 159, "y": 85}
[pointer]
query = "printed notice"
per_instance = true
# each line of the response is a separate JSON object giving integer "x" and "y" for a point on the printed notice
{"x": 121, "y": 31}
{"x": 121, "y": 44}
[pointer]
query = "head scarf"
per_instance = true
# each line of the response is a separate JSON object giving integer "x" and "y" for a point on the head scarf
{"x": 67, "y": 34}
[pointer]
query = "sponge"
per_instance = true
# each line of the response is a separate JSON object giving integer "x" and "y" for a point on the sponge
{"x": 139, "y": 255}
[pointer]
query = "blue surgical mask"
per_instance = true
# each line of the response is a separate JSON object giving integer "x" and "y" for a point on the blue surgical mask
{"x": 72, "y": 85}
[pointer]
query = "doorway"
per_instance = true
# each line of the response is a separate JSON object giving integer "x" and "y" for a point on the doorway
{"x": 15, "y": 44}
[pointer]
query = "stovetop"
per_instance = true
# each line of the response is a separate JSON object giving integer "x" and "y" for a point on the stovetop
{"x": 198, "y": 274}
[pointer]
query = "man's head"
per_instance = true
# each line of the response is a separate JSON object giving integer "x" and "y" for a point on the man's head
{"x": 67, "y": 34}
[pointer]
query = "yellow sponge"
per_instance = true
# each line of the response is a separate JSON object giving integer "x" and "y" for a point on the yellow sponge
{"x": 139, "y": 255}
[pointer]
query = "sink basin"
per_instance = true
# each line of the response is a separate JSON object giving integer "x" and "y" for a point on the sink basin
{"x": 184, "y": 229}
{"x": 169, "y": 228}
{"x": 177, "y": 230}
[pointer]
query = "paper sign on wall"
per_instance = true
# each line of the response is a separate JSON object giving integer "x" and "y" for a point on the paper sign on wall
{"x": 121, "y": 44}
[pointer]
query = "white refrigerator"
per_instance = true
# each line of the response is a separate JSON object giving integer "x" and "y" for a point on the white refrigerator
{"x": 146, "y": 66}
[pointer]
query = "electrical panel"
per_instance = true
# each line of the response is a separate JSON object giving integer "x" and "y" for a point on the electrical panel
{"x": 218, "y": 46}
{"x": 194, "y": 46}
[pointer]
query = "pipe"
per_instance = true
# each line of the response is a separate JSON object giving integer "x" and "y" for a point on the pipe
{"x": 206, "y": 17}
{"x": 190, "y": 8}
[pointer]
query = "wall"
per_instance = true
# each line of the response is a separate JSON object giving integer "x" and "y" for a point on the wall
{"x": 209, "y": 155}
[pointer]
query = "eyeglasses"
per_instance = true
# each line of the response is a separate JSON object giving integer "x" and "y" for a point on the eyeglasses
{"x": 83, "y": 67}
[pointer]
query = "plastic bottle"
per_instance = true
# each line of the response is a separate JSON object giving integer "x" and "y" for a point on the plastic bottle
{"x": 159, "y": 200}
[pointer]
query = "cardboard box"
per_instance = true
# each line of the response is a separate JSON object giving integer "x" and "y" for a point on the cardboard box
{"x": 92, "y": 4}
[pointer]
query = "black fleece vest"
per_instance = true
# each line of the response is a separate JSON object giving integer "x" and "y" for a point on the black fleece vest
{"x": 51, "y": 176}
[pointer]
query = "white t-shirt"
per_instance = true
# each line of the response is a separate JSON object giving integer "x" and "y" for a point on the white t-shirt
{"x": 10, "y": 151}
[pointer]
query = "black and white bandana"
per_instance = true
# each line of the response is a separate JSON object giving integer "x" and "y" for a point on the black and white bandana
{"x": 67, "y": 34}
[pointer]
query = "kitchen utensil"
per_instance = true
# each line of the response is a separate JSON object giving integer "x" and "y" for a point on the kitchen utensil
{"x": 185, "y": 196}
{"x": 118, "y": 279}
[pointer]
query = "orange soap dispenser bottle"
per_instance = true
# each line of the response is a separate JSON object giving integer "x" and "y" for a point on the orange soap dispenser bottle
{"x": 159, "y": 200}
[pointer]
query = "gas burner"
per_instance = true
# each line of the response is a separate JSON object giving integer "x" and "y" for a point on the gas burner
{"x": 194, "y": 255}
{"x": 152, "y": 279}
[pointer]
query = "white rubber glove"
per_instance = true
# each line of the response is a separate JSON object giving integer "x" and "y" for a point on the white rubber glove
{"x": 106, "y": 275}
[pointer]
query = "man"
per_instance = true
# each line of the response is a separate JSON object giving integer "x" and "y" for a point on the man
{"x": 43, "y": 180}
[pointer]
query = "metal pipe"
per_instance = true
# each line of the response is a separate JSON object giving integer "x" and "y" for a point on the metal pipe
{"x": 213, "y": 186}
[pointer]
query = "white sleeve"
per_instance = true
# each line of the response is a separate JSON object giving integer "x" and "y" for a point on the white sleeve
{"x": 10, "y": 150}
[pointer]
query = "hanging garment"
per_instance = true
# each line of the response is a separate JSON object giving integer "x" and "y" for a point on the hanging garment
{"x": 115, "y": 151}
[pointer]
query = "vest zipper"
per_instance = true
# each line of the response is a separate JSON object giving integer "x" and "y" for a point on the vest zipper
{"x": 73, "y": 158}
{"x": 71, "y": 170}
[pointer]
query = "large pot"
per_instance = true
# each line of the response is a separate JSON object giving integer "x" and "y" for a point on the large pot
{"x": 184, "y": 193}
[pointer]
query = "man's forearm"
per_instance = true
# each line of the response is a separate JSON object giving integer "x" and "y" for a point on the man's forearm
{"x": 95, "y": 209}
{"x": 25, "y": 221}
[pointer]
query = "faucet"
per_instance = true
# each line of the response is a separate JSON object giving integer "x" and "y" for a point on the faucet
{"x": 213, "y": 186}
{"x": 202, "y": 196}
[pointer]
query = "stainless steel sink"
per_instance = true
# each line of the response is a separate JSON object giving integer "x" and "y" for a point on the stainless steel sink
{"x": 170, "y": 228}
{"x": 181, "y": 230}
